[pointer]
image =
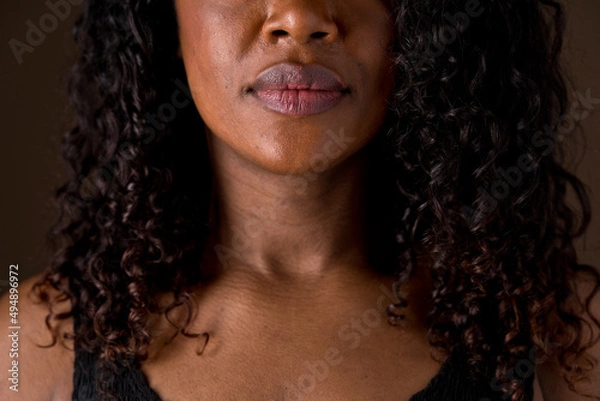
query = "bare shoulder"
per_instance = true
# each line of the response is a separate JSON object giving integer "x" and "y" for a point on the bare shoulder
{"x": 32, "y": 372}
{"x": 551, "y": 383}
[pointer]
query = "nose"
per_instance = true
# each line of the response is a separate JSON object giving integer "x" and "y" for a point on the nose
{"x": 303, "y": 21}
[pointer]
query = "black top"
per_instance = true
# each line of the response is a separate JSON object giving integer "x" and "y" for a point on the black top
{"x": 452, "y": 383}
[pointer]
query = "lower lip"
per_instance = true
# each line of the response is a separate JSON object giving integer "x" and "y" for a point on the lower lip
{"x": 299, "y": 103}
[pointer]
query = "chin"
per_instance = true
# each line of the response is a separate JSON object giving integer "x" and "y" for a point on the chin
{"x": 306, "y": 152}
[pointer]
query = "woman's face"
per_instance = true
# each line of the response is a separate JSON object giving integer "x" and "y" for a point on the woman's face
{"x": 292, "y": 85}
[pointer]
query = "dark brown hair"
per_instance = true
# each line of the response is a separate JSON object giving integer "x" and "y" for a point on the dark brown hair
{"x": 469, "y": 145}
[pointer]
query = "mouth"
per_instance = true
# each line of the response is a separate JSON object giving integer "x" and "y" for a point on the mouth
{"x": 298, "y": 90}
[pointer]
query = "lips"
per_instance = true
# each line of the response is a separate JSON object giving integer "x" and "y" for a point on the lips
{"x": 298, "y": 90}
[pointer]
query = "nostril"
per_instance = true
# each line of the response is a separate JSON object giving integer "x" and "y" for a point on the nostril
{"x": 279, "y": 32}
{"x": 318, "y": 35}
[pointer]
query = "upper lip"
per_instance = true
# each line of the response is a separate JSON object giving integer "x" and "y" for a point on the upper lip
{"x": 286, "y": 76}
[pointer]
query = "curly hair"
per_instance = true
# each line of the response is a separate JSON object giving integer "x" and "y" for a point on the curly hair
{"x": 469, "y": 152}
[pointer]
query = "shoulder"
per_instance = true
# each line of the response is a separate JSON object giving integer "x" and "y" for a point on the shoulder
{"x": 549, "y": 374}
{"x": 38, "y": 373}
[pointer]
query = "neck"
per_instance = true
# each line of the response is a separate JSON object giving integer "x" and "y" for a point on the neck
{"x": 300, "y": 227}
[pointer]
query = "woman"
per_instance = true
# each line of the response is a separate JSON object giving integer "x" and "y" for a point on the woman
{"x": 317, "y": 200}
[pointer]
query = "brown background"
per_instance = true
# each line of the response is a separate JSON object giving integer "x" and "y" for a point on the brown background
{"x": 34, "y": 115}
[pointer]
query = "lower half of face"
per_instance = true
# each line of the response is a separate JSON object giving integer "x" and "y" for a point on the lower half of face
{"x": 293, "y": 87}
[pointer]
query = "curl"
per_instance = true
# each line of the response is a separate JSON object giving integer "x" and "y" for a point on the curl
{"x": 477, "y": 100}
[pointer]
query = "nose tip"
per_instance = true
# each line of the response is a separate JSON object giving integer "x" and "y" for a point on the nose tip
{"x": 301, "y": 23}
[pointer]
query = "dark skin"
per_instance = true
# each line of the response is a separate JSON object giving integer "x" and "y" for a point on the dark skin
{"x": 294, "y": 287}
{"x": 292, "y": 241}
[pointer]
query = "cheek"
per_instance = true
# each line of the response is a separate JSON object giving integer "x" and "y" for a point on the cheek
{"x": 209, "y": 60}
{"x": 378, "y": 58}
{"x": 210, "y": 85}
